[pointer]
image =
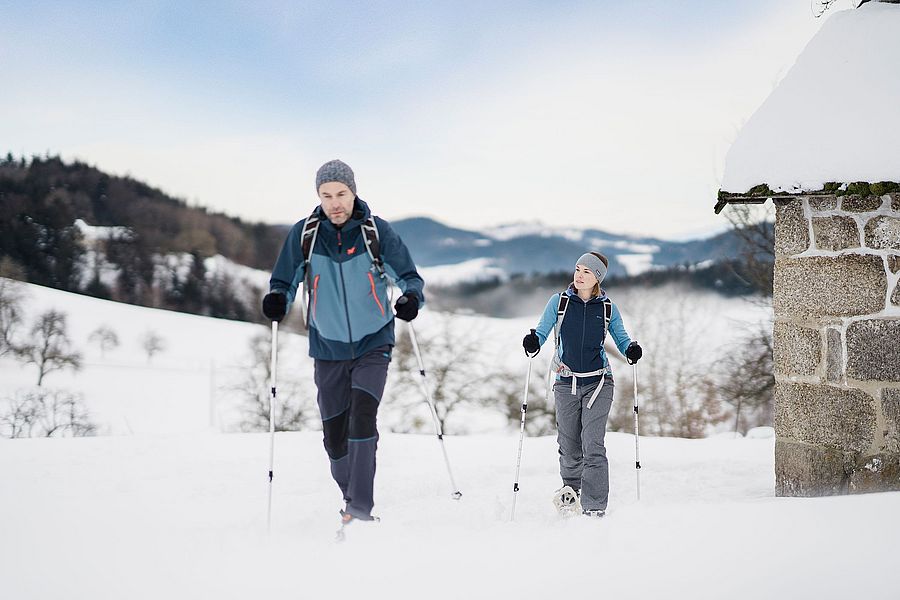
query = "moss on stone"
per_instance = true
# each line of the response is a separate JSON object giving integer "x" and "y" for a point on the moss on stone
{"x": 884, "y": 187}
{"x": 760, "y": 190}
{"x": 858, "y": 188}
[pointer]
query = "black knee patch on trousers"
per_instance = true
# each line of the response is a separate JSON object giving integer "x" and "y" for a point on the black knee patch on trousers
{"x": 363, "y": 414}
{"x": 335, "y": 432}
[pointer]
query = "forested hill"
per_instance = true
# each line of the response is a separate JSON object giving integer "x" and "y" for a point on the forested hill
{"x": 52, "y": 193}
{"x": 141, "y": 245}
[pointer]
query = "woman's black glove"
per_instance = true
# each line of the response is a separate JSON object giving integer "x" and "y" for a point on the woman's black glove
{"x": 633, "y": 353}
{"x": 531, "y": 343}
{"x": 407, "y": 306}
{"x": 274, "y": 306}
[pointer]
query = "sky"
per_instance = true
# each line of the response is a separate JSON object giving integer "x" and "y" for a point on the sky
{"x": 597, "y": 114}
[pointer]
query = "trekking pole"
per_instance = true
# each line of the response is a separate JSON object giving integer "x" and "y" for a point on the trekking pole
{"x": 437, "y": 422}
{"x": 272, "y": 421}
{"x": 637, "y": 452}
{"x": 512, "y": 514}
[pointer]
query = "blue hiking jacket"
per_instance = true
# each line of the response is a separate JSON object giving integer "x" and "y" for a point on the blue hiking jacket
{"x": 581, "y": 337}
{"x": 349, "y": 308}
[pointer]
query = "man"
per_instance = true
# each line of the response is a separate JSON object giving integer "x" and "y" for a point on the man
{"x": 351, "y": 326}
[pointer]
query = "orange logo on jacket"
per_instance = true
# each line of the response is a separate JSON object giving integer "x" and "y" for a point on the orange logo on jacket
{"x": 351, "y": 250}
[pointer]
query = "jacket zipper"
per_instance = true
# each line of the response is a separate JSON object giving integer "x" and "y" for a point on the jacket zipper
{"x": 344, "y": 290}
{"x": 583, "y": 329}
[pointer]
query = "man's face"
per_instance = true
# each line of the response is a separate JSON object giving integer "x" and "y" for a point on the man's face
{"x": 337, "y": 202}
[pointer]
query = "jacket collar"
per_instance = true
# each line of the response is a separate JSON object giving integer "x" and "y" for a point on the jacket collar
{"x": 572, "y": 293}
{"x": 360, "y": 213}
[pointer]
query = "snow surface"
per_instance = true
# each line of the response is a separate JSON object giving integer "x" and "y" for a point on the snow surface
{"x": 184, "y": 516}
{"x": 513, "y": 230}
{"x": 635, "y": 264}
{"x": 477, "y": 269}
{"x": 834, "y": 117}
{"x": 169, "y": 508}
{"x": 93, "y": 233}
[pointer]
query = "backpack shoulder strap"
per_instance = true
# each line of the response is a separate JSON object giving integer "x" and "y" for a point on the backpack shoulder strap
{"x": 309, "y": 235}
{"x": 307, "y": 242}
{"x": 560, "y": 314}
{"x": 373, "y": 243}
{"x": 607, "y": 316}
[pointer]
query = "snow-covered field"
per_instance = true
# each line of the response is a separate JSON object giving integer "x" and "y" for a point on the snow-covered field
{"x": 166, "y": 506}
{"x": 184, "y": 516}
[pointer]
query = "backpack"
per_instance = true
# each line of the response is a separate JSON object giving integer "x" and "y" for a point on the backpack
{"x": 561, "y": 314}
{"x": 370, "y": 237}
{"x": 308, "y": 242}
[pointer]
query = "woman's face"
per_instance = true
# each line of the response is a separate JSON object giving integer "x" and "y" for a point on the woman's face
{"x": 584, "y": 278}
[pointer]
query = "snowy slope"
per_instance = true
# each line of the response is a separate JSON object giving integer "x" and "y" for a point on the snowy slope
{"x": 191, "y": 385}
{"x": 834, "y": 116}
{"x": 184, "y": 517}
{"x": 186, "y": 387}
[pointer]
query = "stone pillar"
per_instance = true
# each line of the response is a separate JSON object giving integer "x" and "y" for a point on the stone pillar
{"x": 837, "y": 345}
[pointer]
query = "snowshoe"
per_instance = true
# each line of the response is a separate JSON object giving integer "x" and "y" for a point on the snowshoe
{"x": 346, "y": 519}
{"x": 594, "y": 514}
{"x": 567, "y": 501}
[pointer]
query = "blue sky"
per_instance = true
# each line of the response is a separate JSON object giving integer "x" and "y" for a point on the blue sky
{"x": 601, "y": 114}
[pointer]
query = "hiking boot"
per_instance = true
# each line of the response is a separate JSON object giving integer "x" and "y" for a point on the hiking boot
{"x": 597, "y": 514}
{"x": 567, "y": 500}
{"x": 346, "y": 518}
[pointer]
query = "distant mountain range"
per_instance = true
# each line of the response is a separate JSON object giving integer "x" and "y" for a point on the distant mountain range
{"x": 71, "y": 226}
{"x": 533, "y": 248}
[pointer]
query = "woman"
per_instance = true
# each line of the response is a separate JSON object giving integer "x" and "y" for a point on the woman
{"x": 581, "y": 317}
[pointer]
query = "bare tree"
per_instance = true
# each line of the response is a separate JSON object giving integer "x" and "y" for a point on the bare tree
{"x": 10, "y": 314}
{"x": 753, "y": 226}
{"x": 20, "y": 417}
{"x": 677, "y": 389}
{"x": 748, "y": 382}
{"x": 458, "y": 376}
{"x": 50, "y": 349}
{"x": 748, "y": 379}
{"x": 106, "y": 338}
{"x": 46, "y": 413}
{"x": 152, "y": 344}
{"x": 540, "y": 417}
{"x": 820, "y": 7}
{"x": 295, "y": 410}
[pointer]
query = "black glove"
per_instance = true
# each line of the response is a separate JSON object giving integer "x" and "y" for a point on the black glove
{"x": 531, "y": 343}
{"x": 407, "y": 306}
{"x": 274, "y": 306}
{"x": 633, "y": 353}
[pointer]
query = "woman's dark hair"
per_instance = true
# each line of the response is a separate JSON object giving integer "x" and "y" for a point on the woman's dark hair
{"x": 602, "y": 258}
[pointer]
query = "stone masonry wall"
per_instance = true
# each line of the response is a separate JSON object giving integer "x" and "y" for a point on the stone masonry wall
{"x": 837, "y": 345}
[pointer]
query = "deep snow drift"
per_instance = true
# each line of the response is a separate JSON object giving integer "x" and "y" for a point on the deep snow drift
{"x": 834, "y": 116}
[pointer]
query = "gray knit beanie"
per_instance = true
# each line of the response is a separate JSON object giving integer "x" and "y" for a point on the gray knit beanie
{"x": 594, "y": 264}
{"x": 335, "y": 170}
